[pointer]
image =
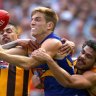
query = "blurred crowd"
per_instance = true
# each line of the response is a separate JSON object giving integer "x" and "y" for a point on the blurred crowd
{"x": 77, "y": 18}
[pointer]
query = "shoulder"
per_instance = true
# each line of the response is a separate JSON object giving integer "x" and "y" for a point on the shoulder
{"x": 90, "y": 76}
{"x": 51, "y": 46}
{"x": 52, "y": 42}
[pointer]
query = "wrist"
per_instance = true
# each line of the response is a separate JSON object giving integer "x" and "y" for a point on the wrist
{"x": 49, "y": 60}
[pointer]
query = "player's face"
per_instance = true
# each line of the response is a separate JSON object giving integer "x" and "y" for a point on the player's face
{"x": 38, "y": 24}
{"x": 7, "y": 35}
{"x": 86, "y": 59}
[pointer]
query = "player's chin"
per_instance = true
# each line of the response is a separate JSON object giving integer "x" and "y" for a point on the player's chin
{"x": 34, "y": 35}
{"x": 6, "y": 41}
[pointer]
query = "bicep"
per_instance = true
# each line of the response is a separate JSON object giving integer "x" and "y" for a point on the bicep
{"x": 51, "y": 46}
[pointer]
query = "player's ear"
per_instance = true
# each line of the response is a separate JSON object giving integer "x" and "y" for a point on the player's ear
{"x": 50, "y": 25}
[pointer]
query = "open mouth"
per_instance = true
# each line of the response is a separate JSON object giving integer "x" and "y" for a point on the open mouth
{"x": 32, "y": 28}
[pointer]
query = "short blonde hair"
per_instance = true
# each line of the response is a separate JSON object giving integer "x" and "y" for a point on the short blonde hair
{"x": 50, "y": 15}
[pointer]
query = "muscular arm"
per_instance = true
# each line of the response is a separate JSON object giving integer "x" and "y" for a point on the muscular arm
{"x": 63, "y": 77}
{"x": 18, "y": 42}
{"x": 67, "y": 80}
{"x": 16, "y": 51}
{"x": 21, "y": 61}
{"x": 28, "y": 62}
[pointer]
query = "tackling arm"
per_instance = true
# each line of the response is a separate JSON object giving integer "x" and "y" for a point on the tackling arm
{"x": 62, "y": 76}
{"x": 18, "y": 42}
{"x": 67, "y": 80}
{"x": 28, "y": 62}
{"x": 10, "y": 45}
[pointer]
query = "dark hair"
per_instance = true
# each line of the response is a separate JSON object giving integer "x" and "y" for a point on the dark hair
{"x": 90, "y": 43}
{"x": 14, "y": 27}
{"x": 50, "y": 15}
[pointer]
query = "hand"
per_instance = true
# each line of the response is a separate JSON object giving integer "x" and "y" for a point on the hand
{"x": 18, "y": 42}
{"x": 25, "y": 43}
{"x": 67, "y": 47}
{"x": 41, "y": 55}
{"x": 37, "y": 82}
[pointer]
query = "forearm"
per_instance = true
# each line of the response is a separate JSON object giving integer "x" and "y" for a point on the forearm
{"x": 60, "y": 74}
{"x": 21, "y": 61}
{"x": 67, "y": 80}
{"x": 10, "y": 45}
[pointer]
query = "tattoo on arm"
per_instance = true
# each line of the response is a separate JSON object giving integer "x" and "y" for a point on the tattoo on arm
{"x": 10, "y": 45}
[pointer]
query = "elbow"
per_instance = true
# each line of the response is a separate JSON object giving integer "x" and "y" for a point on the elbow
{"x": 26, "y": 67}
{"x": 65, "y": 84}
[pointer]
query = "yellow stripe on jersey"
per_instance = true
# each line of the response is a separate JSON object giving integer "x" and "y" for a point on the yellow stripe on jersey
{"x": 69, "y": 63}
{"x": 3, "y": 82}
{"x": 47, "y": 73}
{"x": 19, "y": 81}
{"x": 74, "y": 62}
{"x": 29, "y": 80}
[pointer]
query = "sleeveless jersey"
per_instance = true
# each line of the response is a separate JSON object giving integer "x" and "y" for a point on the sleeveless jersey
{"x": 14, "y": 81}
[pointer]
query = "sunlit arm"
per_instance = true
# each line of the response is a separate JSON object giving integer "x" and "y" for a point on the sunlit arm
{"x": 17, "y": 60}
{"x": 65, "y": 79}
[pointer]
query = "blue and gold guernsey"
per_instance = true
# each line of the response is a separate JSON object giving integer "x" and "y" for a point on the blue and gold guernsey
{"x": 51, "y": 86}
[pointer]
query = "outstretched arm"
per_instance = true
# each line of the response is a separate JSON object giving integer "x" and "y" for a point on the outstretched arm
{"x": 17, "y": 56}
{"x": 17, "y": 60}
{"x": 18, "y": 42}
{"x": 62, "y": 76}
{"x": 28, "y": 62}
{"x": 10, "y": 45}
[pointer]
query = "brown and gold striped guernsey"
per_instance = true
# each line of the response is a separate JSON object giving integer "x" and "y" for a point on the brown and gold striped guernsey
{"x": 14, "y": 81}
